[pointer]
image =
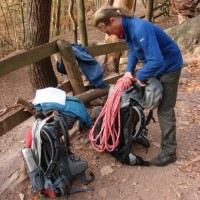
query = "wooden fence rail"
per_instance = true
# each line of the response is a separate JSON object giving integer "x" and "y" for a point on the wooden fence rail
{"x": 31, "y": 56}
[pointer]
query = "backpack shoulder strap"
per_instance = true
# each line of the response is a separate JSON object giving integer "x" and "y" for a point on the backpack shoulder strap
{"x": 52, "y": 133}
{"x": 50, "y": 152}
{"x": 36, "y": 139}
{"x": 141, "y": 121}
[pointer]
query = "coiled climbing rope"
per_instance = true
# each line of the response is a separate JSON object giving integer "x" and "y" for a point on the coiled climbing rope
{"x": 108, "y": 137}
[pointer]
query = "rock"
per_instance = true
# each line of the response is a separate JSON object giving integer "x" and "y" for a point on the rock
{"x": 95, "y": 112}
{"x": 75, "y": 129}
{"x": 186, "y": 35}
{"x": 185, "y": 73}
{"x": 197, "y": 51}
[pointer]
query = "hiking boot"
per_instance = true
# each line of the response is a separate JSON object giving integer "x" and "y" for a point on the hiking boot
{"x": 163, "y": 160}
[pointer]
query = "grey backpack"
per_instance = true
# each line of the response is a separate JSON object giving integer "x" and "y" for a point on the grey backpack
{"x": 56, "y": 166}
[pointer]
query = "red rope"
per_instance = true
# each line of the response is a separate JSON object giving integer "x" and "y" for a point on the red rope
{"x": 109, "y": 113}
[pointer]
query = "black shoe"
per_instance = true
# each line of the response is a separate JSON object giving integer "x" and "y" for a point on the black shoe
{"x": 142, "y": 162}
{"x": 163, "y": 160}
{"x": 133, "y": 159}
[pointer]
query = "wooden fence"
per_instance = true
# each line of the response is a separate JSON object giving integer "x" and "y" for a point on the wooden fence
{"x": 64, "y": 48}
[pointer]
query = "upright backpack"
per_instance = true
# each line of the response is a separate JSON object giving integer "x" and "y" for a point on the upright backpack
{"x": 56, "y": 167}
{"x": 133, "y": 130}
{"x": 133, "y": 124}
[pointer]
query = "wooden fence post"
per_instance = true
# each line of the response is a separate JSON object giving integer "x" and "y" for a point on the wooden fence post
{"x": 71, "y": 66}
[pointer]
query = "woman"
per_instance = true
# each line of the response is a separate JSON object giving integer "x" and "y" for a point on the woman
{"x": 161, "y": 58}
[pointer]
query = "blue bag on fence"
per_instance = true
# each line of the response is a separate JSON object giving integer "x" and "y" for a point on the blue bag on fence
{"x": 90, "y": 67}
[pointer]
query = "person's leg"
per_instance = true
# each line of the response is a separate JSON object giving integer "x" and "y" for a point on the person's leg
{"x": 167, "y": 119}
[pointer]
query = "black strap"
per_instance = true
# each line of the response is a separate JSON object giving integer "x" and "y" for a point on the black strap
{"x": 149, "y": 118}
{"x": 76, "y": 190}
{"x": 84, "y": 180}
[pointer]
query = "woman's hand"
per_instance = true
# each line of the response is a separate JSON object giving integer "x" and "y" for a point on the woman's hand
{"x": 141, "y": 84}
{"x": 129, "y": 75}
{"x": 134, "y": 79}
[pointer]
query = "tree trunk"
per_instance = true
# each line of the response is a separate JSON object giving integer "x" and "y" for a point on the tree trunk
{"x": 110, "y": 2}
{"x": 58, "y": 17}
{"x": 53, "y": 17}
{"x": 98, "y": 4}
{"x": 72, "y": 18}
{"x": 37, "y": 33}
{"x": 149, "y": 13}
{"x": 127, "y": 3}
{"x": 81, "y": 22}
{"x": 134, "y": 6}
{"x": 23, "y": 20}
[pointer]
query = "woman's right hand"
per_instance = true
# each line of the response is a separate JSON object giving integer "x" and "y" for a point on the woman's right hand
{"x": 129, "y": 75}
{"x": 134, "y": 79}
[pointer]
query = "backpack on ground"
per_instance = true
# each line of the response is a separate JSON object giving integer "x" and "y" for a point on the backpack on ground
{"x": 133, "y": 130}
{"x": 133, "y": 124}
{"x": 51, "y": 164}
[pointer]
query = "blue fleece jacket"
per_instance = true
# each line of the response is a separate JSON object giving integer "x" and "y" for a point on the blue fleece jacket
{"x": 150, "y": 44}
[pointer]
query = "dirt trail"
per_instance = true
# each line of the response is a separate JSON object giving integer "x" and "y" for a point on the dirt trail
{"x": 113, "y": 180}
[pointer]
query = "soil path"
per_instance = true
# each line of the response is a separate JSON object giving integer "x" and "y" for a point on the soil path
{"x": 113, "y": 180}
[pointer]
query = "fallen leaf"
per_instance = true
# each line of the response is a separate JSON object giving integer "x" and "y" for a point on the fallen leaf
{"x": 21, "y": 196}
{"x": 178, "y": 194}
{"x": 103, "y": 192}
{"x": 133, "y": 184}
{"x": 112, "y": 178}
{"x": 124, "y": 180}
{"x": 105, "y": 170}
{"x": 180, "y": 162}
{"x": 35, "y": 196}
{"x": 196, "y": 159}
{"x": 139, "y": 168}
{"x": 156, "y": 144}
